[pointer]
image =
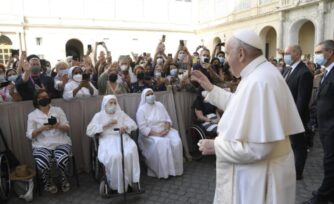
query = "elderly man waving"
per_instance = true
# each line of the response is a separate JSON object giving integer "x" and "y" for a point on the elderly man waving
{"x": 252, "y": 148}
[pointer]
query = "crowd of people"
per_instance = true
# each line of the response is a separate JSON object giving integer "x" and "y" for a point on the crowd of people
{"x": 31, "y": 78}
{"x": 76, "y": 78}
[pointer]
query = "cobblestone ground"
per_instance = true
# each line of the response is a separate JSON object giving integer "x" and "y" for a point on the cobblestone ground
{"x": 196, "y": 186}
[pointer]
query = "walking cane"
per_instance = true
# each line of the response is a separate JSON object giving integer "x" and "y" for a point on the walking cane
{"x": 123, "y": 167}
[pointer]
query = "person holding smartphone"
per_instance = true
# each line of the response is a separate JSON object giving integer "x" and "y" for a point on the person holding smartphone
{"x": 47, "y": 128}
{"x": 8, "y": 92}
{"x": 79, "y": 85}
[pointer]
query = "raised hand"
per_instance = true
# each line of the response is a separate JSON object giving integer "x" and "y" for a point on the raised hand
{"x": 199, "y": 77}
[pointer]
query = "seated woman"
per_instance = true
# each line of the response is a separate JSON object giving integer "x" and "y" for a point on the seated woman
{"x": 77, "y": 86}
{"x": 8, "y": 92}
{"x": 207, "y": 115}
{"x": 160, "y": 144}
{"x": 105, "y": 122}
{"x": 47, "y": 128}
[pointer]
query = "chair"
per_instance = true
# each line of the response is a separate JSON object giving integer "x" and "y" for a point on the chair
{"x": 4, "y": 178}
{"x": 71, "y": 171}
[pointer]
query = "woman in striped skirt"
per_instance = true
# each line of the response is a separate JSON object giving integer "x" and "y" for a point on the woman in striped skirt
{"x": 47, "y": 128}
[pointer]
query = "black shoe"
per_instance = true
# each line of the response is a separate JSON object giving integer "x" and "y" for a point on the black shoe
{"x": 316, "y": 200}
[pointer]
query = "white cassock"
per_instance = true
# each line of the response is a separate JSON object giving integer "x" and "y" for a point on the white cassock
{"x": 163, "y": 155}
{"x": 109, "y": 152}
{"x": 255, "y": 163}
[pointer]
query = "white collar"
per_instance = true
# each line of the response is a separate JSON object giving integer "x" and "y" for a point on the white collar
{"x": 330, "y": 67}
{"x": 252, "y": 66}
{"x": 294, "y": 66}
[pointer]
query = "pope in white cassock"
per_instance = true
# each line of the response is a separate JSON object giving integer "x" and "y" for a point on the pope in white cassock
{"x": 160, "y": 144}
{"x": 255, "y": 163}
{"x": 109, "y": 153}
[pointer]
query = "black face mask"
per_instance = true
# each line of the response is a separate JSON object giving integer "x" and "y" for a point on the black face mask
{"x": 140, "y": 75}
{"x": 44, "y": 102}
{"x": 113, "y": 77}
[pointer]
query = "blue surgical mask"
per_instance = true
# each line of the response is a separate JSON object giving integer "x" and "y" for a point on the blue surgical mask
{"x": 287, "y": 59}
{"x": 111, "y": 109}
{"x": 12, "y": 78}
{"x": 150, "y": 99}
{"x": 320, "y": 59}
{"x": 221, "y": 59}
{"x": 173, "y": 72}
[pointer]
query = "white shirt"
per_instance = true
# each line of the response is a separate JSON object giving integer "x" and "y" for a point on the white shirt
{"x": 293, "y": 67}
{"x": 49, "y": 139}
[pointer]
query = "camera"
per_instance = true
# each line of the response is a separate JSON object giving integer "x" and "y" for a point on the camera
{"x": 85, "y": 76}
{"x": 51, "y": 121}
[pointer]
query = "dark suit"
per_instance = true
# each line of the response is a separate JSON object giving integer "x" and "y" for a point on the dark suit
{"x": 27, "y": 89}
{"x": 300, "y": 82}
{"x": 325, "y": 116}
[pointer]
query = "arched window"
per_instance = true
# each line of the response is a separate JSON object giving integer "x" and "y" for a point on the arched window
{"x": 5, "y": 49}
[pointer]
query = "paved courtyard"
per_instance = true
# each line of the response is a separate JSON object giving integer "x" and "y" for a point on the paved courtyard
{"x": 196, "y": 186}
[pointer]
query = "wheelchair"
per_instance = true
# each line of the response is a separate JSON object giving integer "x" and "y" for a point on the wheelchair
{"x": 195, "y": 133}
{"x": 4, "y": 178}
{"x": 71, "y": 172}
{"x": 99, "y": 174}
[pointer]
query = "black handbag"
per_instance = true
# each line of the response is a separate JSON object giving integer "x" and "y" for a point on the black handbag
{"x": 13, "y": 162}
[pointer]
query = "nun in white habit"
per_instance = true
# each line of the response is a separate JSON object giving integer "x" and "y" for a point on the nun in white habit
{"x": 160, "y": 144}
{"x": 76, "y": 87}
{"x": 109, "y": 153}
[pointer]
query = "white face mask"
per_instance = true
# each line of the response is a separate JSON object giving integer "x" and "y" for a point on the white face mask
{"x": 160, "y": 61}
{"x": 181, "y": 56}
{"x": 77, "y": 77}
{"x": 150, "y": 99}
{"x": 110, "y": 109}
{"x": 287, "y": 59}
{"x": 124, "y": 67}
{"x": 157, "y": 74}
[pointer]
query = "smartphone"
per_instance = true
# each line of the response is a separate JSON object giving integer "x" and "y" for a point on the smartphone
{"x": 100, "y": 43}
{"x": 195, "y": 60}
{"x": 144, "y": 54}
{"x": 89, "y": 47}
{"x": 170, "y": 55}
{"x": 14, "y": 52}
{"x": 85, "y": 77}
{"x": 181, "y": 42}
{"x": 163, "y": 38}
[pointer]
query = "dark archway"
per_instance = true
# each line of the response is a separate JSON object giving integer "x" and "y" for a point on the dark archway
{"x": 74, "y": 48}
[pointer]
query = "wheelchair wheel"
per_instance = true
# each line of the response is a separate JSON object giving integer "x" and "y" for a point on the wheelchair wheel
{"x": 195, "y": 134}
{"x": 4, "y": 178}
{"x": 96, "y": 167}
